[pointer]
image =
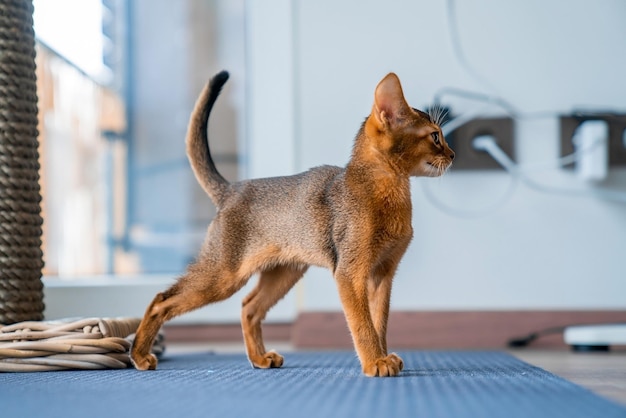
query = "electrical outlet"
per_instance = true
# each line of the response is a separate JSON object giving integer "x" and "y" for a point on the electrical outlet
{"x": 469, "y": 158}
{"x": 617, "y": 130}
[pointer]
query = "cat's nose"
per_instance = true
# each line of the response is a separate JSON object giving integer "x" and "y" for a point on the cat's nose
{"x": 451, "y": 155}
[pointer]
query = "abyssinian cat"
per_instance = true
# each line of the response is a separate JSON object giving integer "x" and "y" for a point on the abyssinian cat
{"x": 356, "y": 221}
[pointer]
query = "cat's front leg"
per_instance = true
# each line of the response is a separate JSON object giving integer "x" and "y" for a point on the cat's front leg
{"x": 353, "y": 291}
{"x": 379, "y": 295}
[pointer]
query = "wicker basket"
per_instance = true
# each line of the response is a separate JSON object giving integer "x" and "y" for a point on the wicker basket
{"x": 88, "y": 344}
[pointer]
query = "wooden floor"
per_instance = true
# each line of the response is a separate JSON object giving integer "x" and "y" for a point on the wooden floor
{"x": 602, "y": 373}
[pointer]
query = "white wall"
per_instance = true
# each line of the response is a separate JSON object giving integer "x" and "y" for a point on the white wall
{"x": 534, "y": 251}
{"x": 311, "y": 69}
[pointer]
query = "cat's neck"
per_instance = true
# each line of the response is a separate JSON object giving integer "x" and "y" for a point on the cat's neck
{"x": 371, "y": 151}
{"x": 371, "y": 167}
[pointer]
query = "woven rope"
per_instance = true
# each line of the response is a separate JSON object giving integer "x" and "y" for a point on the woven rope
{"x": 21, "y": 289}
{"x": 89, "y": 344}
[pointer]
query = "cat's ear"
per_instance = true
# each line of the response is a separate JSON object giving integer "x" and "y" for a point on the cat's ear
{"x": 389, "y": 102}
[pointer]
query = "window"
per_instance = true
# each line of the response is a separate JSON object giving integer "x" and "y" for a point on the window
{"x": 123, "y": 214}
{"x": 117, "y": 81}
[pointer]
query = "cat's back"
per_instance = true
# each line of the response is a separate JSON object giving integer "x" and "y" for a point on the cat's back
{"x": 307, "y": 186}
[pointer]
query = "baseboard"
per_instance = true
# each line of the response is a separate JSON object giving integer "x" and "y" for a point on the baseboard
{"x": 427, "y": 329}
{"x": 451, "y": 329}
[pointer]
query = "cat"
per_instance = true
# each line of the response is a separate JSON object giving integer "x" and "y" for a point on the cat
{"x": 355, "y": 221}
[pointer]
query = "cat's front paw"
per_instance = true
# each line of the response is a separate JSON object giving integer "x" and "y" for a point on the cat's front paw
{"x": 147, "y": 362}
{"x": 268, "y": 360}
{"x": 384, "y": 367}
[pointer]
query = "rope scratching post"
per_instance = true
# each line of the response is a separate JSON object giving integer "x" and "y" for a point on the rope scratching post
{"x": 21, "y": 289}
{"x": 28, "y": 345}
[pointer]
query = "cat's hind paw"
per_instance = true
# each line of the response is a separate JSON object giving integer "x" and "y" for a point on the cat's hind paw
{"x": 271, "y": 359}
{"x": 147, "y": 362}
{"x": 384, "y": 367}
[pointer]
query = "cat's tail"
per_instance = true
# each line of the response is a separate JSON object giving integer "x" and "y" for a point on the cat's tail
{"x": 198, "y": 151}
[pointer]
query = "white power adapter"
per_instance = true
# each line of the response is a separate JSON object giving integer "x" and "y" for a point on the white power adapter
{"x": 591, "y": 143}
{"x": 595, "y": 337}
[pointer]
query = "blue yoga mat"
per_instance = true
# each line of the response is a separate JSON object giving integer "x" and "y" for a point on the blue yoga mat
{"x": 319, "y": 384}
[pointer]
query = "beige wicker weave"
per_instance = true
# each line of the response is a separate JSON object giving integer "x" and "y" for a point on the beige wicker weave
{"x": 90, "y": 344}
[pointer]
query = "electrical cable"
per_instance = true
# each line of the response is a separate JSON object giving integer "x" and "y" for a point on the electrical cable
{"x": 455, "y": 40}
{"x": 564, "y": 160}
{"x": 488, "y": 145}
{"x": 519, "y": 342}
{"x": 471, "y": 95}
{"x": 467, "y": 213}
{"x": 455, "y": 123}
{"x": 508, "y": 108}
{"x": 459, "y": 121}
{"x": 517, "y": 172}
{"x": 526, "y": 340}
{"x": 458, "y": 50}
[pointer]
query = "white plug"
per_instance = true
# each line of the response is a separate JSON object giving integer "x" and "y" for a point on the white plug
{"x": 488, "y": 144}
{"x": 591, "y": 143}
{"x": 483, "y": 142}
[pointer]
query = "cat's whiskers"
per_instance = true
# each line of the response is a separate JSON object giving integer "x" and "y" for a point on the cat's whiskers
{"x": 432, "y": 112}
{"x": 442, "y": 115}
{"x": 438, "y": 114}
{"x": 441, "y": 165}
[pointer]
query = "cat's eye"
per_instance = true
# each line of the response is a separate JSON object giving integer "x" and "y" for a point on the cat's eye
{"x": 435, "y": 136}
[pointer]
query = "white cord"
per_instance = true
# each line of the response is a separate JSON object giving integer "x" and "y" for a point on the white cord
{"x": 519, "y": 173}
{"x": 487, "y": 144}
{"x": 490, "y": 146}
{"x": 458, "y": 50}
{"x": 466, "y": 213}
{"x": 459, "y": 121}
{"x": 565, "y": 160}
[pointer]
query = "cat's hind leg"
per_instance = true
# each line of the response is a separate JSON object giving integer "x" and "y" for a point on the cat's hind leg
{"x": 273, "y": 285}
{"x": 196, "y": 288}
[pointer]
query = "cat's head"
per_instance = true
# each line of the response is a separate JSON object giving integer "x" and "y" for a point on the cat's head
{"x": 407, "y": 136}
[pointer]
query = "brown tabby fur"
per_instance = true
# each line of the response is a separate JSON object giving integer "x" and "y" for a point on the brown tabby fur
{"x": 356, "y": 221}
